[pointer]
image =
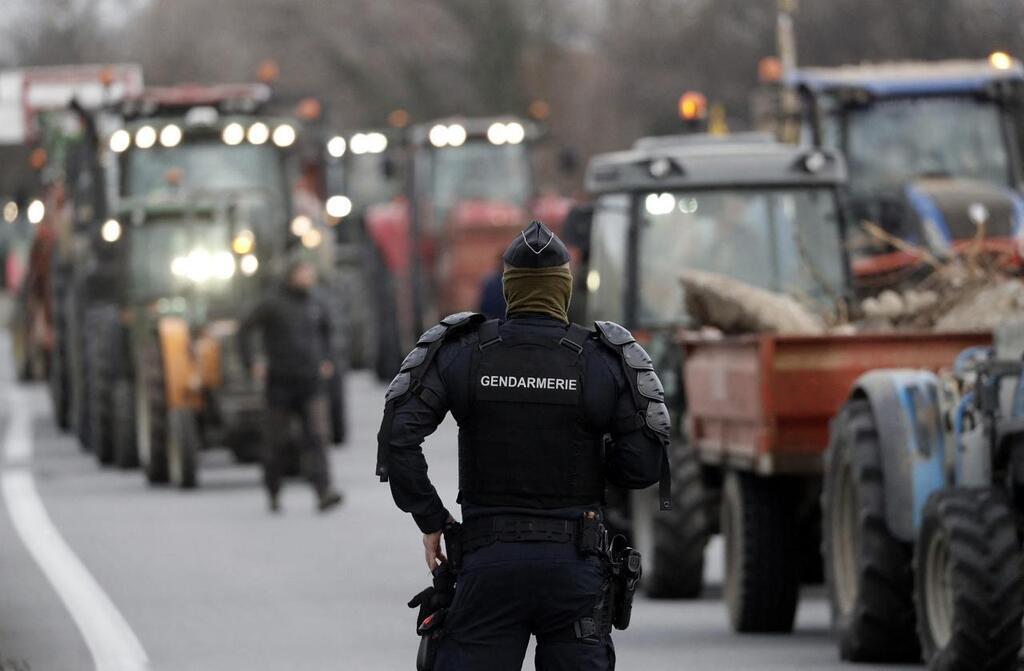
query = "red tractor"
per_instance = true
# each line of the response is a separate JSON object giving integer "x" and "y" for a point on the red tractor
{"x": 469, "y": 186}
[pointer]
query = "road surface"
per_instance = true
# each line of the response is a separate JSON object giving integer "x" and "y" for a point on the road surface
{"x": 209, "y": 581}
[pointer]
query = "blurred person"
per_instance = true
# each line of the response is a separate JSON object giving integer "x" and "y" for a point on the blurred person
{"x": 534, "y": 397}
{"x": 492, "y": 297}
{"x": 295, "y": 330}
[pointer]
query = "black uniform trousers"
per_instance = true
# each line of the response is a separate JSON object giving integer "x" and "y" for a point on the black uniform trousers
{"x": 507, "y": 592}
{"x": 308, "y": 402}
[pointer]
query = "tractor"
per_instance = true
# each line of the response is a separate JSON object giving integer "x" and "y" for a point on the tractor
{"x": 469, "y": 187}
{"x": 358, "y": 172}
{"x": 744, "y": 206}
{"x": 199, "y": 218}
{"x": 923, "y": 501}
{"x": 934, "y": 152}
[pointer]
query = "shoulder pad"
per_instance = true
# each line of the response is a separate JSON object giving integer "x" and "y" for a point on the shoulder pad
{"x": 398, "y": 386}
{"x": 657, "y": 419}
{"x": 636, "y": 357}
{"x": 449, "y": 323}
{"x": 614, "y": 334}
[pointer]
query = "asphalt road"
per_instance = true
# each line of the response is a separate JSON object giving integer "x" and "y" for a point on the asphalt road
{"x": 208, "y": 580}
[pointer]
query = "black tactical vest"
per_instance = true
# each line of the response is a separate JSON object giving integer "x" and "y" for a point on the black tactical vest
{"x": 525, "y": 441}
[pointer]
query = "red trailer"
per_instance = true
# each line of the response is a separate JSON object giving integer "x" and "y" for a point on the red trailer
{"x": 758, "y": 410}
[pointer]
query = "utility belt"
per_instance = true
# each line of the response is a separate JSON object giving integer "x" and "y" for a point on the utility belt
{"x": 588, "y": 532}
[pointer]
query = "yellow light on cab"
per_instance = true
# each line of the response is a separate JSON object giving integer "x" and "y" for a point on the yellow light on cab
{"x": 692, "y": 106}
{"x": 10, "y": 211}
{"x": 312, "y": 238}
{"x": 243, "y": 242}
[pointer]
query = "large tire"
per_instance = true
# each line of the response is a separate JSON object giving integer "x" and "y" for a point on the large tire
{"x": 968, "y": 582}
{"x": 126, "y": 453}
{"x": 151, "y": 412}
{"x": 183, "y": 445}
{"x": 675, "y": 559}
{"x": 868, "y": 572}
{"x": 58, "y": 374}
{"x": 78, "y": 369}
{"x": 762, "y": 571}
{"x": 102, "y": 347}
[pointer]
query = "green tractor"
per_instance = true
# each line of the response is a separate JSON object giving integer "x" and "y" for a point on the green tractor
{"x": 203, "y": 216}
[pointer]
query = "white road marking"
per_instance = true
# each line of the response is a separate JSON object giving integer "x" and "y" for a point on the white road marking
{"x": 111, "y": 641}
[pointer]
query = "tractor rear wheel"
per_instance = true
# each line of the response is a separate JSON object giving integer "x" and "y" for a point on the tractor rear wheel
{"x": 126, "y": 453}
{"x": 183, "y": 445}
{"x": 762, "y": 561}
{"x": 868, "y": 571}
{"x": 102, "y": 347}
{"x": 968, "y": 583}
{"x": 151, "y": 412}
{"x": 58, "y": 379}
{"x": 675, "y": 569}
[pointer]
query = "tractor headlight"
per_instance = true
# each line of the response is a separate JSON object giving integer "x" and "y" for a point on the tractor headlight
{"x": 223, "y": 265}
{"x": 145, "y": 137}
{"x": 301, "y": 224}
{"x": 497, "y": 133}
{"x": 120, "y": 140}
{"x": 338, "y": 206}
{"x": 284, "y": 135}
{"x": 258, "y": 133}
{"x": 515, "y": 133}
{"x": 336, "y": 146}
{"x": 233, "y": 134}
{"x": 249, "y": 264}
{"x": 456, "y": 135}
{"x": 111, "y": 230}
{"x": 438, "y": 136}
{"x": 170, "y": 135}
{"x": 36, "y": 211}
{"x": 243, "y": 242}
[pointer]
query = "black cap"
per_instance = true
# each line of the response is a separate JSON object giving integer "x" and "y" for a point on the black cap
{"x": 536, "y": 247}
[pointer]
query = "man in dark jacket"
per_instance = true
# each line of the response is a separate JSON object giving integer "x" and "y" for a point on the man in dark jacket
{"x": 296, "y": 334}
{"x": 548, "y": 413}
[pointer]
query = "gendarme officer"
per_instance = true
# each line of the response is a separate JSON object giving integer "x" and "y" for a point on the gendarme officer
{"x": 549, "y": 413}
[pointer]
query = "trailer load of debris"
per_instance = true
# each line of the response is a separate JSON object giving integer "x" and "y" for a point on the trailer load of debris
{"x": 946, "y": 301}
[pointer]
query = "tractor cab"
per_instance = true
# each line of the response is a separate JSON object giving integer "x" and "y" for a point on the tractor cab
{"x": 469, "y": 187}
{"x": 745, "y": 207}
{"x": 934, "y": 157}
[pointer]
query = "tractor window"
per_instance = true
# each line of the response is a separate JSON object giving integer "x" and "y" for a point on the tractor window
{"x": 210, "y": 166}
{"x": 606, "y": 277}
{"x": 480, "y": 171}
{"x": 895, "y": 141}
{"x": 779, "y": 239}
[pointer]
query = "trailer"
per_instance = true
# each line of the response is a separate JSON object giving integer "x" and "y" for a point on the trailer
{"x": 758, "y": 415}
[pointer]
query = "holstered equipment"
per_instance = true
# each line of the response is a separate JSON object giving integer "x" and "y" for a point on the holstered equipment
{"x": 627, "y": 570}
{"x": 433, "y": 603}
{"x": 410, "y": 375}
{"x": 652, "y": 414}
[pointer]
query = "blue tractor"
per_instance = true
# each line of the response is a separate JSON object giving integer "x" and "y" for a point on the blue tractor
{"x": 922, "y": 511}
{"x": 934, "y": 152}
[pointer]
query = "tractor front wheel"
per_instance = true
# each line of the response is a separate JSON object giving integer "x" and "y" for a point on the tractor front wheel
{"x": 968, "y": 583}
{"x": 151, "y": 412}
{"x": 762, "y": 567}
{"x": 868, "y": 571}
{"x": 183, "y": 445}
